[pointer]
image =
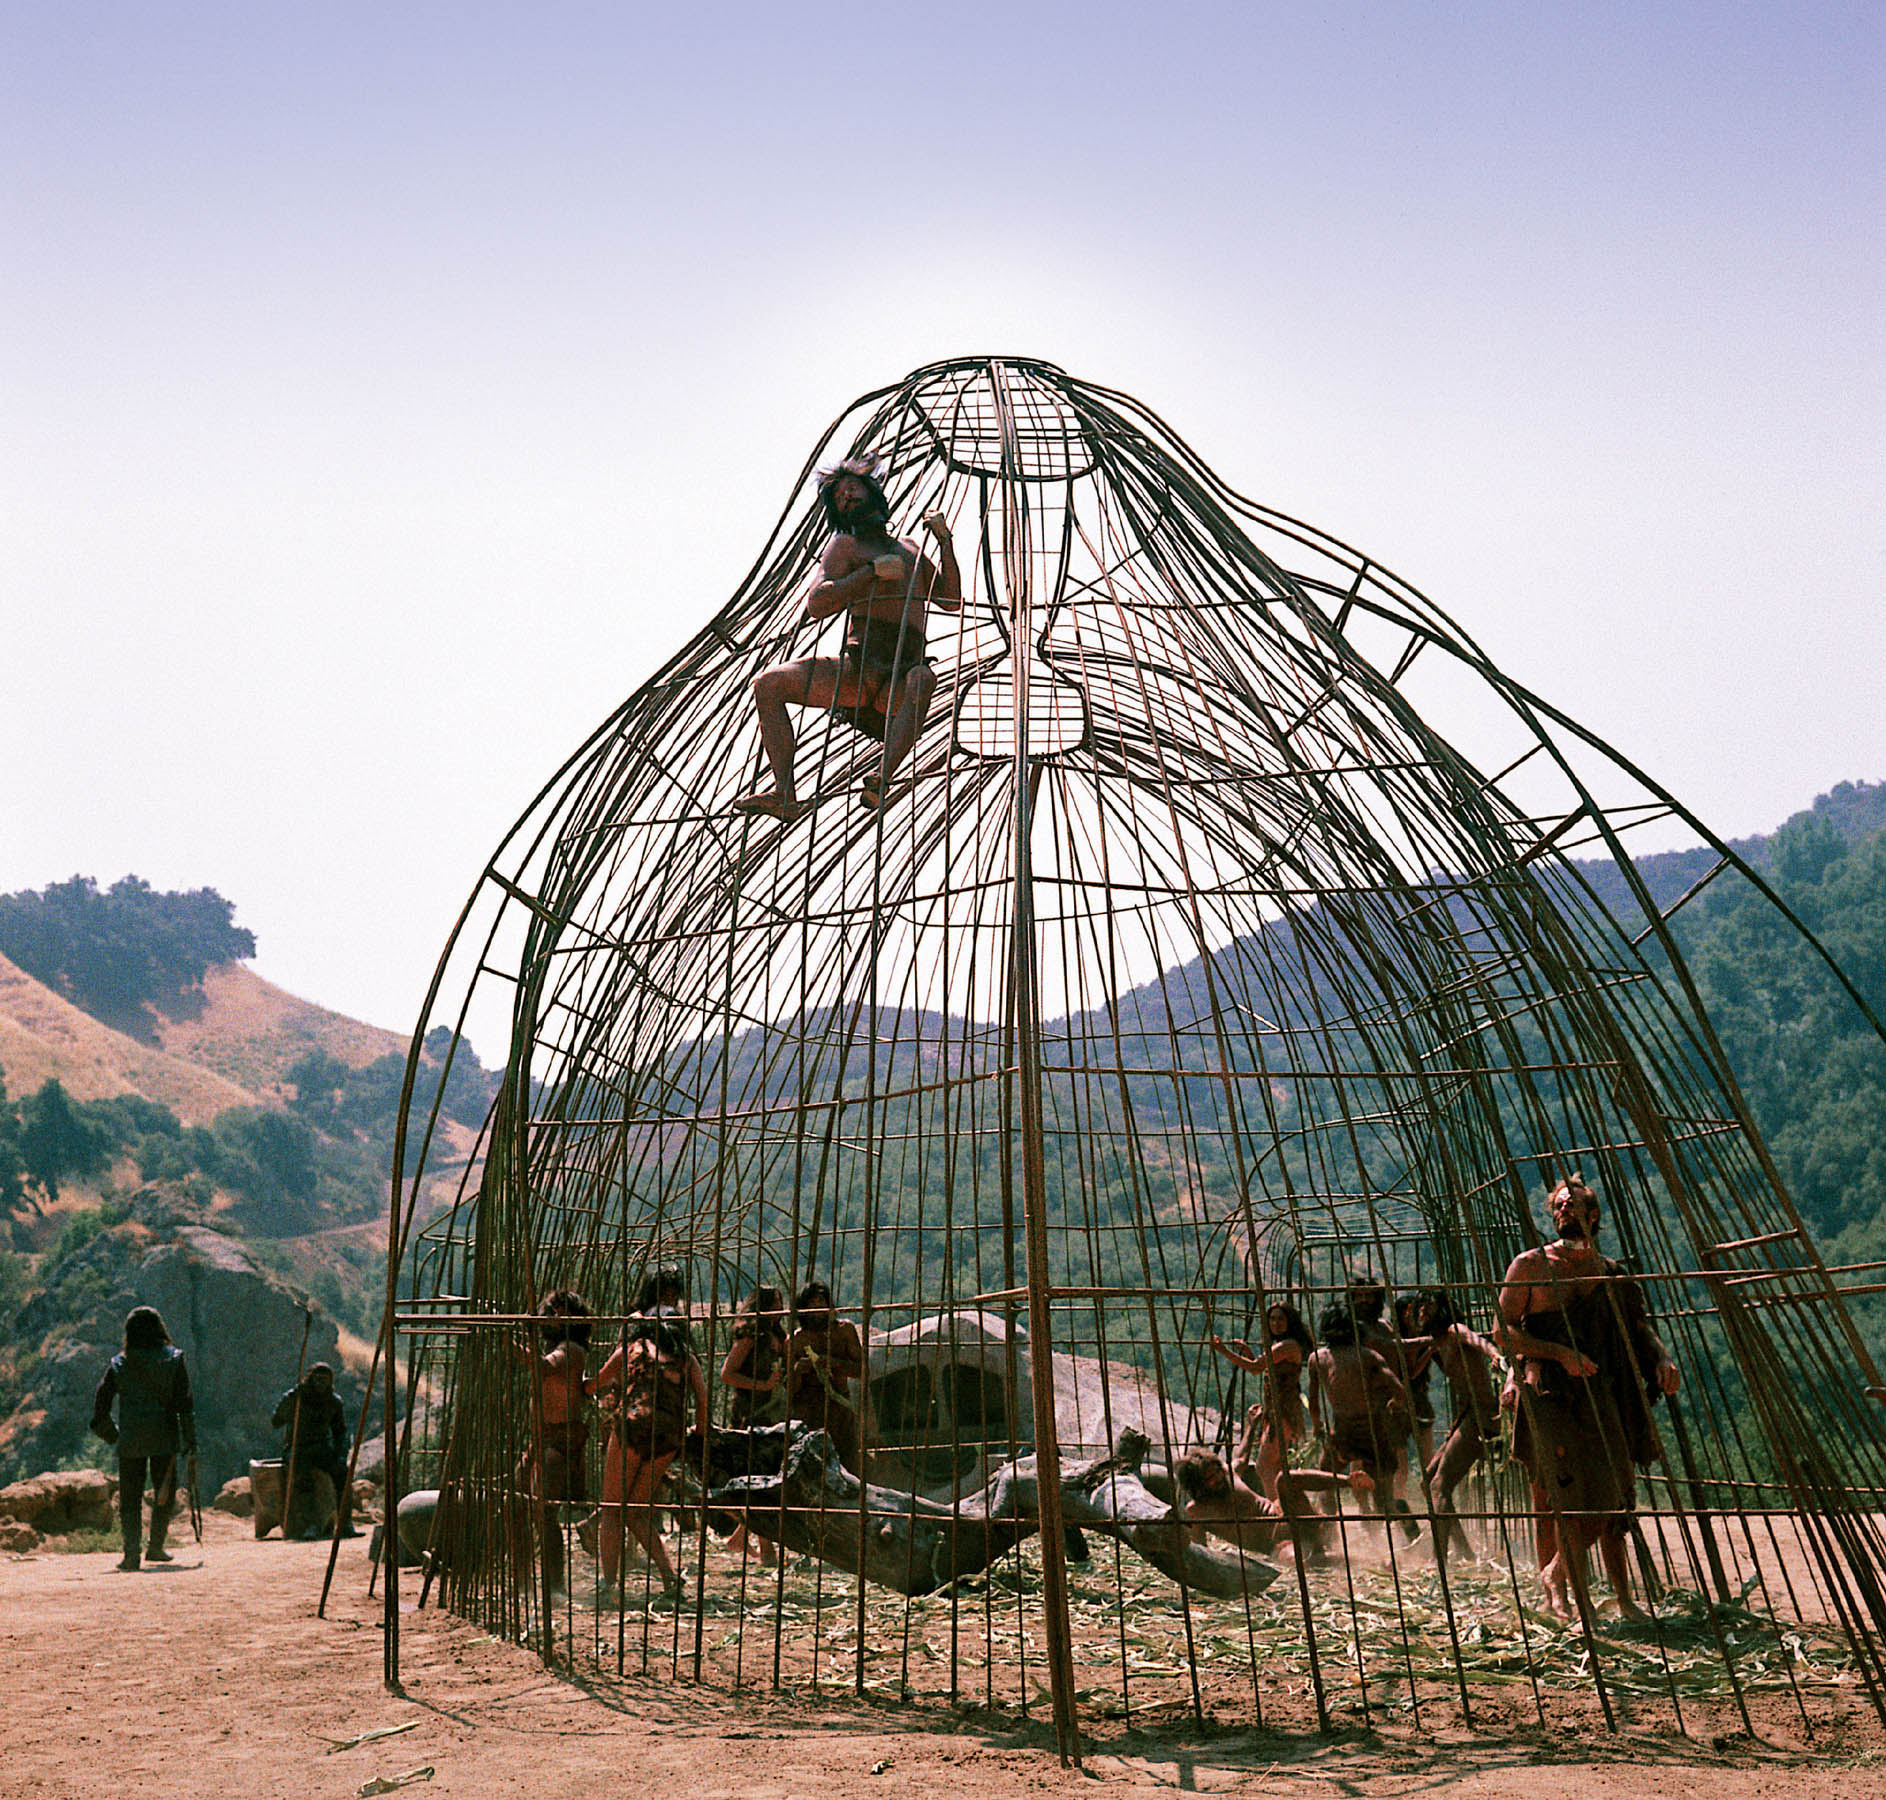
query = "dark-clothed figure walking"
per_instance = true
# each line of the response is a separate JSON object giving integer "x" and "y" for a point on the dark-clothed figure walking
{"x": 156, "y": 1421}
{"x": 316, "y": 1437}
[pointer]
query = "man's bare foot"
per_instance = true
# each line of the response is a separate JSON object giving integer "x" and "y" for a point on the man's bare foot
{"x": 784, "y": 807}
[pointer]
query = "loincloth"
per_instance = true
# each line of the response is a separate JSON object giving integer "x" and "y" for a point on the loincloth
{"x": 1574, "y": 1448}
{"x": 1370, "y": 1443}
{"x": 879, "y": 653}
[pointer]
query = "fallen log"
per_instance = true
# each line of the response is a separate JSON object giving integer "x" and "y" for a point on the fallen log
{"x": 914, "y": 1545}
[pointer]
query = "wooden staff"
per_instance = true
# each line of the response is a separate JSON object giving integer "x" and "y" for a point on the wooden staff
{"x": 294, "y": 1425}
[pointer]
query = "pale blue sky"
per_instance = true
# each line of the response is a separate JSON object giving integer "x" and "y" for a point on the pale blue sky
{"x": 385, "y": 391}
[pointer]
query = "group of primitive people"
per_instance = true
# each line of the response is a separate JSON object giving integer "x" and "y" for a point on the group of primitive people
{"x": 1572, "y": 1361}
{"x": 145, "y": 1409}
{"x": 652, "y": 1392}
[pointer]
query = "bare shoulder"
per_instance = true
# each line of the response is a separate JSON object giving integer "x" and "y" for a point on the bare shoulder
{"x": 842, "y": 555}
{"x": 1528, "y": 1265}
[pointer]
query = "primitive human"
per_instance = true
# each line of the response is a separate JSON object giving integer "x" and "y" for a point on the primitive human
{"x": 149, "y": 1383}
{"x": 824, "y": 1356}
{"x": 754, "y": 1375}
{"x": 313, "y": 1423}
{"x": 1361, "y": 1407}
{"x": 881, "y": 682}
{"x": 550, "y": 1472}
{"x": 1468, "y": 1362}
{"x": 1413, "y": 1361}
{"x": 1276, "y": 1423}
{"x": 1589, "y": 1368}
{"x": 653, "y": 1386}
{"x": 1221, "y": 1500}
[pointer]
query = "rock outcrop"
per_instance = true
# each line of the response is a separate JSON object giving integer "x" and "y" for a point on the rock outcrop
{"x": 239, "y": 1328}
{"x": 68, "y": 1500}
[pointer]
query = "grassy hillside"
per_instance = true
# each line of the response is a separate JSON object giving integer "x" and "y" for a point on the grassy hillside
{"x": 130, "y": 1056}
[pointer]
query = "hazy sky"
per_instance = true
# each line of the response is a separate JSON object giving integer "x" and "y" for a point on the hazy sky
{"x": 386, "y": 390}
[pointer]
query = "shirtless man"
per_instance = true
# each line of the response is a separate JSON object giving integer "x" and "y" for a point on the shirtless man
{"x": 824, "y": 1356}
{"x": 1361, "y": 1406}
{"x": 1368, "y": 1300}
{"x": 1467, "y": 1360}
{"x": 881, "y": 682}
{"x": 563, "y": 1338}
{"x": 1589, "y": 1362}
{"x": 1220, "y": 1501}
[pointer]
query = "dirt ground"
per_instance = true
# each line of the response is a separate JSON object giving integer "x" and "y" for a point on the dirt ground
{"x": 214, "y": 1676}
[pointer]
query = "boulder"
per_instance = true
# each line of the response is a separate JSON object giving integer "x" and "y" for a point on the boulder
{"x": 417, "y": 1514}
{"x": 235, "y": 1499}
{"x": 69, "y": 1500}
{"x": 17, "y": 1537}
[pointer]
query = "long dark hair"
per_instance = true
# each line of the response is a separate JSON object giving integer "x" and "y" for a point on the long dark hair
{"x": 565, "y": 1315}
{"x": 1336, "y": 1325}
{"x": 660, "y": 1283}
{"x": 864, "y": 473}
{"x": 144, "y": 1329}
{"x": 761, "y": 1313}
{"x": 1443, "y": 1308}
{"x": 810, "y": 1295}
{"x": 1294, "y": 1327}
{"x": 1193, "y": 1468}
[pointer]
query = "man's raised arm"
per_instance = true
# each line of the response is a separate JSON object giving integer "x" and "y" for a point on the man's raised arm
{"x": 840, "y": 588}
{"x": 946, "y": 587}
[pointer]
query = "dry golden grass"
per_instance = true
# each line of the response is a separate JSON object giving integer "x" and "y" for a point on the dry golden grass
{"x": 251, "y": 1032}
{"x": 230, "y": 1046}
{"x": 45, "y": 1038}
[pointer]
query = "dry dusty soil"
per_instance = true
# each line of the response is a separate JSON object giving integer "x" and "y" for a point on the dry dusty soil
{"x": 215, "y": 1677}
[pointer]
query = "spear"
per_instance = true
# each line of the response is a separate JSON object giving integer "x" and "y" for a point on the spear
{"x": 294, "y": 1426}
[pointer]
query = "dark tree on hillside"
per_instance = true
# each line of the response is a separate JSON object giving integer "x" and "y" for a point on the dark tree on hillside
{"x": 268, "y": 1156}
{"x": 12, "y": 1162}
{"x": 56, "y": 1139}
{"x": 116, "y": 952}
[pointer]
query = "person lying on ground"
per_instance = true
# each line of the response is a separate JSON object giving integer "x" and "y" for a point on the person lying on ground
{"x": 1220, "y": 1501}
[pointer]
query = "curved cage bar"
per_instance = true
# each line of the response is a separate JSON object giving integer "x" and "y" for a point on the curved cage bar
{"x": 1185, "y": 968}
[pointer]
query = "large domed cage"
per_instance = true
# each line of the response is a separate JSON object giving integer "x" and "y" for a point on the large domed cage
{"x": 1186, "y": 968}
